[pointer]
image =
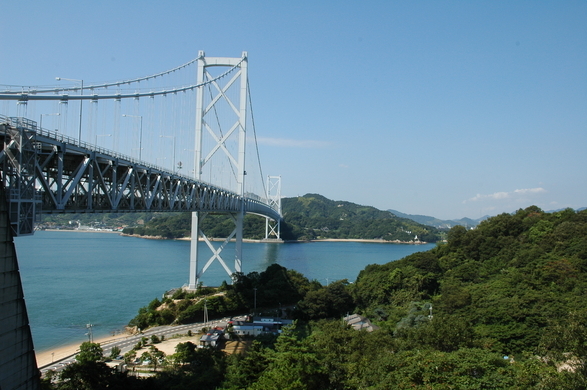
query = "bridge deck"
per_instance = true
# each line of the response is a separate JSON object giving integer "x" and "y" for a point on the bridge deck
{"x": 46, "y": 172}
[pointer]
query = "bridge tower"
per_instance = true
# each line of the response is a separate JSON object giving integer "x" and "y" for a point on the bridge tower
{"x": 273, "y": 227}
{"x": 233, "y": 104}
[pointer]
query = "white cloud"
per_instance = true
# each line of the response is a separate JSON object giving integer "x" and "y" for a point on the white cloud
{"x": 530, "y": 191}
{"x": 506, "y": 195}
{"x": 292, "y": 143}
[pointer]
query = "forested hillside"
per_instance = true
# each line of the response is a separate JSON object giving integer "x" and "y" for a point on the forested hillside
{"x": 501, "y": 306}
{"x": 306, "y": 217}
{"x": 505, "y": 281}
{"x": 313, "y": 216}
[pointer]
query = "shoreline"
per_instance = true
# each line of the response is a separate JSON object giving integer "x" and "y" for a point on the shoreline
{"x": 48, "y": 356}
{"x": 370, "y": 240}
{"x": 366, "y": 240}
{"x": 80, "y": 230}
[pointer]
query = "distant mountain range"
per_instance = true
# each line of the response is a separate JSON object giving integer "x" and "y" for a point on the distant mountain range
{"x": 447, "y": 224}
{"x": 439, "y": 223}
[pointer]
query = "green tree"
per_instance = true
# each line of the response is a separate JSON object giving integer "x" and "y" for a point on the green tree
{"x": 331, "y": 301}
{"x": 245, "y": 369}
{"x": 293, "y": 366}
{"x": 114, "y": 352}
{"x": 565, "y": 345}
{"x": 89, "y": 352}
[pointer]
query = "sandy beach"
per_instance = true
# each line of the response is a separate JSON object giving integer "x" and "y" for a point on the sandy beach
{"x": 55, "y": 354}
{"x": 167, "y": 346}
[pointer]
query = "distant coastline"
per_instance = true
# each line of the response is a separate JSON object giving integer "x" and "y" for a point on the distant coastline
{"x": 367, "y": 240}
{"x": 82, "y": 230}
{"x": 377, "y": 241}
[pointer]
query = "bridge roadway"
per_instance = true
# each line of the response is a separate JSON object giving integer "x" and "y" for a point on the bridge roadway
{"x": 48, "y": 172}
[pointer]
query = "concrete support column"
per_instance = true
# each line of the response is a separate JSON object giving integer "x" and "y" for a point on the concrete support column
{"x": 18, "y": 367}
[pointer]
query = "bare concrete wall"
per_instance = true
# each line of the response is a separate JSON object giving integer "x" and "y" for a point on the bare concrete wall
{"x": 18, "y": 367}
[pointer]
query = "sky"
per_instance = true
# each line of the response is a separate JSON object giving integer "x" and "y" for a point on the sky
{"x": 444, "y": 108}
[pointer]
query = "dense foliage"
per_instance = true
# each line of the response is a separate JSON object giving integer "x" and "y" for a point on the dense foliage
{"x": 501, "y": 306}
{"x": 274, "y": 287}
{"x": 508, "y": 278}
{"x": 305, "y": 218}
{"x": 313, "y": 216}
{"x": 178, "y": 225}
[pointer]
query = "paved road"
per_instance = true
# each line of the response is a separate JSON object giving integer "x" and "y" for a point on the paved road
{"x": 126, "y": 344}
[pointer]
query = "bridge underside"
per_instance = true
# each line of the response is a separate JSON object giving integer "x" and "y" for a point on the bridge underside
{"x": 46, "y": 172}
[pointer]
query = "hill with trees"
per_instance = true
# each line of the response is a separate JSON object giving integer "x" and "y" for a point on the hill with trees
{"x": 439, "y": 223}
{"x": 307, "y": 217}
{"x": 313, "y": 216}
{"x": 501, "y": 306}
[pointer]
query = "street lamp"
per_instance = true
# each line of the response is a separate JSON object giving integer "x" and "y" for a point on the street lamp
{"x": 140, "y": 133}
{"x": 81, "y": 101}
{"x": 90, "y": 334}
{"x": 41, "y": 118}
{"x": 171, "y": 136}
{"x": 205, "y": 312}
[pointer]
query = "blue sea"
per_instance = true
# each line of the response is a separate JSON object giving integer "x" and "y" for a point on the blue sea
{"x": 71, "y": 279}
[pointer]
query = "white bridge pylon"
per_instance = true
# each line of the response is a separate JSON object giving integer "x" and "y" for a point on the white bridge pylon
{"x": 47, "y": 171}
{"x": 272, "y": 226}
{"x": 228, "y": 144}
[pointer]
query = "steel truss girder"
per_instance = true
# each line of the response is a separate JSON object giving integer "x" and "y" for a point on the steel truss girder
{"x": 45, "y": 174}
{"x": 86, "y": 182}
{"x": 18, "y": 160}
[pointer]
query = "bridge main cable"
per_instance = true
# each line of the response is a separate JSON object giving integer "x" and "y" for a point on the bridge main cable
{"x": 34, "y": 94}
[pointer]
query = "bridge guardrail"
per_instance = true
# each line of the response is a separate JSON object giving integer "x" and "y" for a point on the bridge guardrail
{"x": 251, "y": 202}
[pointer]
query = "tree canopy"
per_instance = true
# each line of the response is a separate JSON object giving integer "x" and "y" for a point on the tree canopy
{"x": 307, "y": 217}
{"x": 501, "y": 306}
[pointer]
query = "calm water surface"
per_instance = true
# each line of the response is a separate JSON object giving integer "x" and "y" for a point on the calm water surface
{"x": 71, "y": 279}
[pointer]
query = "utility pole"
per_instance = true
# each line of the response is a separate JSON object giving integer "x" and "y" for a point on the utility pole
{"x": 255, "y": 311}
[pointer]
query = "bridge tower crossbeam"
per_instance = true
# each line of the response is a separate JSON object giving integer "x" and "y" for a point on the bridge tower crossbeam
{"x": 207, "y": 123}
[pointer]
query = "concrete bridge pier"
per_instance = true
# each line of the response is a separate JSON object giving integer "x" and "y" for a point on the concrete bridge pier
{"x": 18, "y": 366}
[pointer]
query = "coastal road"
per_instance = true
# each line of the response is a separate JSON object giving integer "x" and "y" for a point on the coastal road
{"x": 127, "y": 343}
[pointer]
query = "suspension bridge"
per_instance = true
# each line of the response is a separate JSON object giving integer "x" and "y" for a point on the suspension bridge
{"x": 175, "y": 141}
